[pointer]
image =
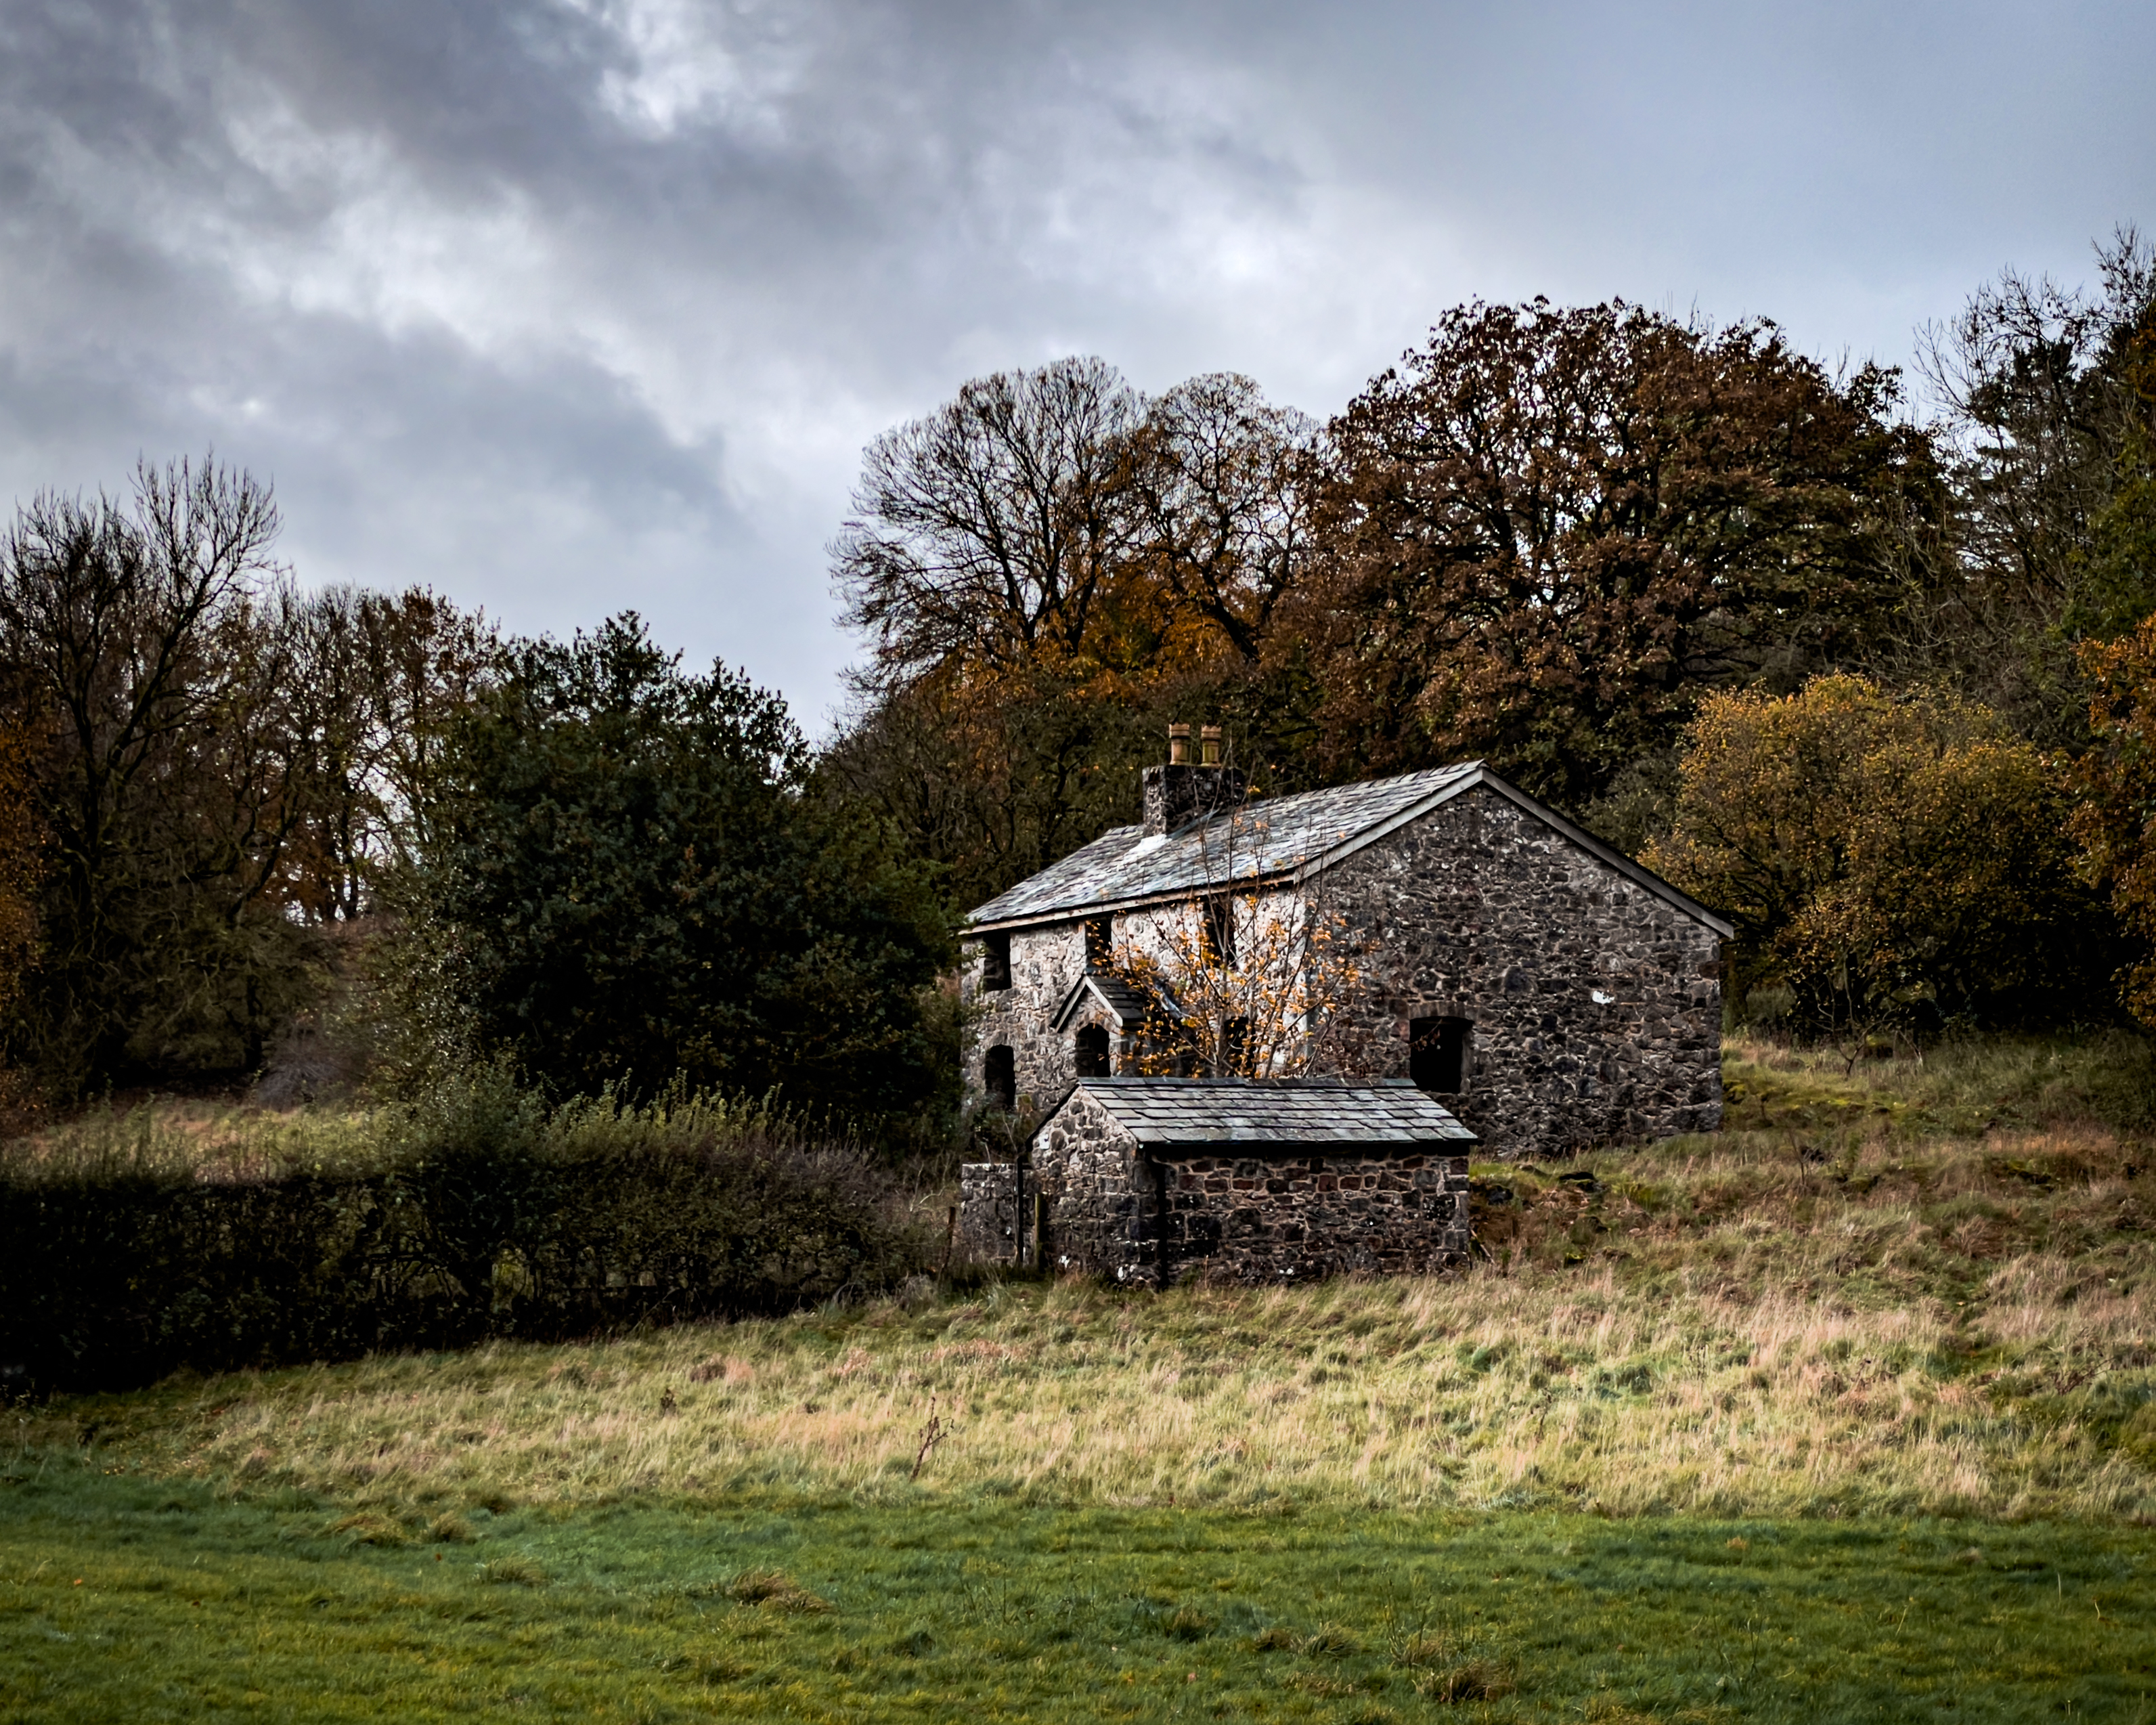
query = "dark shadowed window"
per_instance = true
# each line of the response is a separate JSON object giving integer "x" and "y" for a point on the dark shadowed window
{"x": 1437, "y": 1054}
{"x": 995, "y": 961}
{"x": 1220, "y": 932}
{"x": 1100, "y": 942}
{"x": 1000, "y": 1077}
{"x": 1236, "y": 1049}
{"x": 1092, "y": 1052}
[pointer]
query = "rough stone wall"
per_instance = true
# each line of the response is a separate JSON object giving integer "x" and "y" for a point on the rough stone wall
{"x": 1044, "y": 962}
{"x": 1262, "y": 1220}
{"x": 1596, "y": 1005}
{"x": 1106, "y": 1208}
{"x": 1100, "y": 1196}
{"x": 987, "y": 1212}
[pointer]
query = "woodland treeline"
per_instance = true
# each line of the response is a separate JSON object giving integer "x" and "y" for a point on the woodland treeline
{"x": 1880, "y": 683}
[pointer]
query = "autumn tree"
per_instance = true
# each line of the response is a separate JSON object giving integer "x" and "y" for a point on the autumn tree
{"x": 2048, "y": 414}
{"x": 20, "y": 871}
{"x": 1887, "y": 858}
{"x": 150, "y": 648}
{"x": 1550, "y": 531}
{"x": 377, "y": 680}
{"x": 1043, "y": 568}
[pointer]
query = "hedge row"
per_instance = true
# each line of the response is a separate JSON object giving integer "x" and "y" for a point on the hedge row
{"x": 476, "y": 1216}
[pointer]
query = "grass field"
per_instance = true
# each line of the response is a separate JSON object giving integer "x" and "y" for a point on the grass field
{"x": 126, "y": 1598}
{"x": 1847, "y": 1412}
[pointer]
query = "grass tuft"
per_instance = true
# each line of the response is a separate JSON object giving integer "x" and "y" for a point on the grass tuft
{"x": 775, "y": 1589}
{"x": 512, "y": 1571}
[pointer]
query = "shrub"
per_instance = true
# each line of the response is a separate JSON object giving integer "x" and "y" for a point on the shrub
{"x": 1886, "y": 857}
{"x": 475, "y": 1213}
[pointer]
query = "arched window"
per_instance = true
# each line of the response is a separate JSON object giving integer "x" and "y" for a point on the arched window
{"x": 1000, "y": 1077}
{"x": 1092, "y": 1052}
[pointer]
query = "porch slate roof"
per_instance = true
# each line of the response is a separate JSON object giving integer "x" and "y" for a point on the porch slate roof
{"x": 1124, "y": 1003}
{"x": 1191, "y": 1113}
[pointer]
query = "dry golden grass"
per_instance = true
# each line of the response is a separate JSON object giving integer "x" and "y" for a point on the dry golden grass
{"x": 1841, "y": 1306}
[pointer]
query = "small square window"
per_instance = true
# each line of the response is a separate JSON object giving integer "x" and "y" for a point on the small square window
{"x": 1437, "y": 1054}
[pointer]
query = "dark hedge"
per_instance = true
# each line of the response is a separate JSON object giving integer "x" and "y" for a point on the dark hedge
{"x": 475, "y": 1216}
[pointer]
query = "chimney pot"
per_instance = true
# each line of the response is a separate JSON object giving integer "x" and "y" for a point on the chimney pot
{"x": 1208, "y": 745}
{"x": 1179, "y": 744}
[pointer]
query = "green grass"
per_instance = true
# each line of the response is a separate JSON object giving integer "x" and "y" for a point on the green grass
{"x": 123, "y": 1597}
{"x": 1847, "y": 1412}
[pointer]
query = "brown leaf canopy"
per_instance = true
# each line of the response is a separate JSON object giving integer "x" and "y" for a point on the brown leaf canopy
{"x": 1549, "y": 531}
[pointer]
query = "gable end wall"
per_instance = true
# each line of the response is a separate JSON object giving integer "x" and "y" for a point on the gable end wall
{"x": 1479, "y": 910}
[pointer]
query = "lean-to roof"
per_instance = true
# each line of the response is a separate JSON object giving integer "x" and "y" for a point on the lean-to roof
{"x": 1192, "y": 1113}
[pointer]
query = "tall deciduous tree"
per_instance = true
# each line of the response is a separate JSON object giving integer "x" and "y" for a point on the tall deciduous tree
{"x": 624, "y": 882}
{"x": 1551, "y": 530}
{"x": 2049, "y": 415}
{"x": 151, "y": 648}
{"x": 1045, "y": 567}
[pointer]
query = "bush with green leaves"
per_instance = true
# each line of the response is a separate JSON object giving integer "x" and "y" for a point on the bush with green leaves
{"x": 475, "y": 1212}
{"x": 628, "y": 882}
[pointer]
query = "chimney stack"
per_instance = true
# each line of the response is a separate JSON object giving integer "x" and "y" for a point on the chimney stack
{"x": 1178, "y": 793}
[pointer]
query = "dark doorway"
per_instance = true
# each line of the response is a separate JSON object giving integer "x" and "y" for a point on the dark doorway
{"x": 1093, "y": 1052}
{"x": 1437, "y": 1054}
{"x": 1000, "y": 1077}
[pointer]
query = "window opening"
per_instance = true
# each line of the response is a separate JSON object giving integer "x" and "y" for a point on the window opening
{"x": 1100, "y": 942}
{"x": 1437, "y": 1054}
{"x": 1092, "y": 1052}
{"x": 1236, "y": 1049}
{"x": 1220, "y": 932}
{"x": 995, "y": 962}
{"x": 1000, "y": 1077}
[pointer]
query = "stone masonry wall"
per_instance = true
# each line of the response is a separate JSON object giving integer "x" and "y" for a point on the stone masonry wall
{"x": 1101, "y": 1196}
{"x": 1044, "y": 962}
{"x": 987, "y": 1212}
{"x": 1109, "y": 1209}
{"x": 1260, "y": 1219}
{"x": 1596, "y": 1005}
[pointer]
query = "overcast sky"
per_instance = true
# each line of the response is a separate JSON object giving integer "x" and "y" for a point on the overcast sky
{"x": 566, "y": 306}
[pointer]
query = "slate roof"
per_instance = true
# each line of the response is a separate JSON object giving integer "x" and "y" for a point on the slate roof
{"x": 1271, "y": 838}
{"x": 1124, "y": 1003}
{"x": 1190, "y": 1113}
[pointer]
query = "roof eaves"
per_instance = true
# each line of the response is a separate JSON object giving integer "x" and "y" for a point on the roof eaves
{"x": 1077, "y": 909}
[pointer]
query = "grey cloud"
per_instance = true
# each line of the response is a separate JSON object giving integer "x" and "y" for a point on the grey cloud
{"x": 568, "y": 306}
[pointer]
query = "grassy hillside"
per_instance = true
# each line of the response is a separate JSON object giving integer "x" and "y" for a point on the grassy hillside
{"x": 1848, "y": 1411}
{"x": 1923, "y": 1289}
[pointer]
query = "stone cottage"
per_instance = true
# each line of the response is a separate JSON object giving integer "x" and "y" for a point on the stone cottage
{"x": 1442, "y": 928}
{"x": 1160, "y": 1180}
